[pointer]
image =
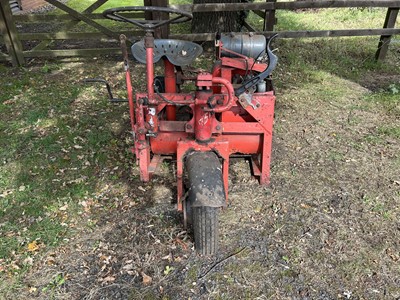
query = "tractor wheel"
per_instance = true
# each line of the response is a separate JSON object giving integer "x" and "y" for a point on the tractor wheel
{"x": 206, "y": 196}
{"x": 205, "y": 229}
{"x": 187, "y": 214}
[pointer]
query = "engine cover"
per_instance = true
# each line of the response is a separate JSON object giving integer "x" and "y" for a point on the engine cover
{"x": 246, "y": 44}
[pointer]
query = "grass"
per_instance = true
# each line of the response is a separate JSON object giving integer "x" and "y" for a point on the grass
{"x": 50, "y": 149}
{"x": 387, "y": 99}
{"x": 82, "y": 5}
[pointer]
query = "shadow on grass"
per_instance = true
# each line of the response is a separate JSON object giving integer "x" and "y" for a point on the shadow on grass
{"x": 62, "y": 144}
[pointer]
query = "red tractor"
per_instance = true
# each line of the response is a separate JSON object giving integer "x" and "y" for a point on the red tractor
{"x": 230, "y": 112}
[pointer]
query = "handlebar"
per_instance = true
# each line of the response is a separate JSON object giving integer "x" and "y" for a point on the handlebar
{"x": 231, "y": 95}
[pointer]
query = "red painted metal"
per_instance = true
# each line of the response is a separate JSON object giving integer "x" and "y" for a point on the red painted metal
{"x": 230, "y": 94}
{"x": 202, "y": 118}
{"x": 142, "y": 147}
{"x": 219, "y": 122}
{"x": 149, "y": 44}
{"x": 170, "y": 87}
{"x": 243, "y": 64}
{"x": 130, "y": 98}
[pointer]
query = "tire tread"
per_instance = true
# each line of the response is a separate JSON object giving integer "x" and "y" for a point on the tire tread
{"x": 205, "y": 228}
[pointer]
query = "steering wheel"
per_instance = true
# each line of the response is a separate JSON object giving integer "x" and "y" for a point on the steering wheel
{"x": 149, "y": 25}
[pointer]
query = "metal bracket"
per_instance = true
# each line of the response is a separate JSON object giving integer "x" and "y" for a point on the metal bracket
{"x": 246, "y": 99}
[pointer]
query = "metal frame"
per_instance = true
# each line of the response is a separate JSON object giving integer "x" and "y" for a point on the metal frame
{"x": 221, "y": 122}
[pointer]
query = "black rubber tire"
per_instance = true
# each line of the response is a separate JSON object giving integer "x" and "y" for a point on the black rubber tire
{"x": 206, "y": 196}
{"x": 205, "y": 229}
{"x": 187, "y": 214}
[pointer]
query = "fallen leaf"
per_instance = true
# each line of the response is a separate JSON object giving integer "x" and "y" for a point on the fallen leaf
{"x": 306, "y": 206}
{"x": 28, "y": 261}
{"x": 50, "y": 260}
{"x": 180, "y": 242}
{"x": 178, "y": 259}
{"x": 108, "y": 279}
{"x": 33, "y": 246}
{"x": 6, "y": 193}
{"x": 63, "y": 208}
{"x": 392, "y": 254}
{"x": 128, "y": 267}
{"x": 146, "y": 279}
{"x": 167, "y": 257}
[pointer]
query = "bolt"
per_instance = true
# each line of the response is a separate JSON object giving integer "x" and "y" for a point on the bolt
{"x": 220, "y": 102}
{"x": 218, "y": 127}
{"x": 258, "y": 104}
{"x": 188, "y": 126}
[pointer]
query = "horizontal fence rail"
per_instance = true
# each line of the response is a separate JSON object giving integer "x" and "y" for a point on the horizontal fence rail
{"x": 199, "y": 37}
{"x": 266, "y": 10}
{"x": 292, "y": 5}
{"x": 65, "y": 17}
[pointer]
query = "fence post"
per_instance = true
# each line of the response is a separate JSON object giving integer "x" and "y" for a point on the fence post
{"x": 10, "y": 35}
{"x": 269, "y": 19}
{"x": 384, "y": 41}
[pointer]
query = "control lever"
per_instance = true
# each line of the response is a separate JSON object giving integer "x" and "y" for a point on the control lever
{"x": 110, "y": 95}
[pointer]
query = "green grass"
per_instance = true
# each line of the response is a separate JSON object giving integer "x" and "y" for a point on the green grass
{"x": 50, "y": 150}
{"x": 82, "y": 5}
{"x": 326, "y": 19}
{"x": 335, "y": 18}
{"x": 387, "y": 99}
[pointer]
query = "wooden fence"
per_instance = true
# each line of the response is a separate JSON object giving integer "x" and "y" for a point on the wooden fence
{"x": 266, "y": 10}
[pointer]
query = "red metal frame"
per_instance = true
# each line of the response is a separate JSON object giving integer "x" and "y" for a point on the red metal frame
{"x": 221, "y": 122}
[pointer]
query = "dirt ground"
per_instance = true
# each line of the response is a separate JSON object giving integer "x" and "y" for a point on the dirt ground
{"x": 326, "y": 228}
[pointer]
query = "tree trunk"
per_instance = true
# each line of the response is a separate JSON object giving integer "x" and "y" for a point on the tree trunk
{"x": 161, "y": 32}
{"x": 229, "y": 21}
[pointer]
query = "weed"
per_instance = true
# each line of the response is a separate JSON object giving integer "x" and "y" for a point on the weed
{"x": 335, "y": 156}
{"x": 394, "y": 88}
{"x": 192, "y": 274}
{"x": 57, "y": 281}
